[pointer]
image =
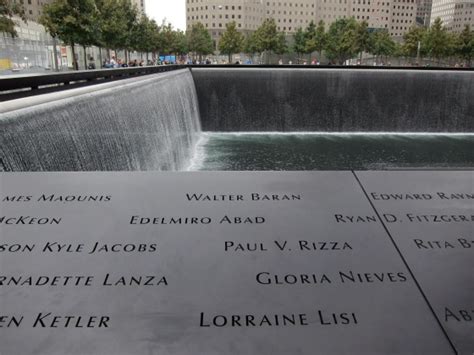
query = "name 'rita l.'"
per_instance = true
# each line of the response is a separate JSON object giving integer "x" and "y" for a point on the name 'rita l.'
{"x": 254, "y": 196}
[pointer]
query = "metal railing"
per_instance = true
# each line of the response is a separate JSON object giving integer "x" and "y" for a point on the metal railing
{"x": 14, "y": 87}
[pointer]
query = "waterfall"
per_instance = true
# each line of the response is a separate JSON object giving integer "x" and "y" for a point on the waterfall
{"x": 146, "y": 123}
{"x": 334, "y": 100}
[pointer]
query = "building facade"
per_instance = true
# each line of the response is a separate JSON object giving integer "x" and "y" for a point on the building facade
{"x": 34, "y": 8}
{"x": 423, "y": 12}
{"x": 140, "y": 4}
{"x": 396, "y": 16}
{"x": 455, "y": 14}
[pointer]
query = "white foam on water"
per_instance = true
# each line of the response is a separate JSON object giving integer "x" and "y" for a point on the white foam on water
{"x": 199, "y": 154}
{"x": 346, "y": 134}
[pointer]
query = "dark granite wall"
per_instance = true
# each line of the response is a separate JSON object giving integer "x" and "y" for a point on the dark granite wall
{"x": 249, "y": 99}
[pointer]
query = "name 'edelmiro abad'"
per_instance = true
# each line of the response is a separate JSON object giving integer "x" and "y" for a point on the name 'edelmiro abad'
{"x": 254, "y": 196}
{"x": 140, "y": 220}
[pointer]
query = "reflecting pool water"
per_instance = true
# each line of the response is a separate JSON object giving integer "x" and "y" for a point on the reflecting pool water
{"x": 338, "y": 151}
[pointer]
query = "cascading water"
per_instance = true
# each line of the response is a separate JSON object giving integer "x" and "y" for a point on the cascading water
{"x": 147, "y": 123}
{"x": 154, "y": 122}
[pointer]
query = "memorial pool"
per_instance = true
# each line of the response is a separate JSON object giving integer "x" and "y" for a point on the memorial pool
{"x": 337, "y": 151}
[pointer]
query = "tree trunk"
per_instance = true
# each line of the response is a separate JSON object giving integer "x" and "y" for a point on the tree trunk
{"x": 100, "y": 56}
{"x": 85, "y": 57}
{"x": 74, "y": 61}
{"x": 360, "y": 58}
{"x": 55, "y": 54}
{"x": 230, "y": 58}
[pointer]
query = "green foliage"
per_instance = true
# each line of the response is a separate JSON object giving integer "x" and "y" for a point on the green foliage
{"x": 180, "y": 44}
{"x": 310, "y": 42}
{"x": 8, "y": 9}
{"x": 465, "y": 45}
{"x": 381, "y": 44}
{"x": 436, "y": 41}
{"x": 411, "y": 39}
{"x": 72, "y": 21}
{"x": 362, "y": 38}
{"x": 321, "y": 37}
{"x": 118, "y": 20}
{"x": 315, "y": 38}
{"x": 299, "y": 42}
{"x": 282, "y": 46}
{"x": 166, "y": 39}
{"x": 143, "y": 36}
{"x": 231, "y": 41}
{"x": 250, "y": 45}
{"x": 268, "y": 39}
{"x": 266, "y": 36}
{"x": 199, "y": 40}
{"x": 341, "y": 36}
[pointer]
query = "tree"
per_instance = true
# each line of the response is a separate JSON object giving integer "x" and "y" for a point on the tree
{"x": 362, "y": 38}
{"x": 412, "y": 39}
{"x": 341, "y": 38}
{"x": 199, "y": 40}
{"x": 299, "y": 42}
{"x": 8, "y": 9}
{"x": 167, "y": 38}
{"x": 465, "y": 45}
{"x": 251, "y": 46}
{"x": 180, "y": 45}
{"x": 231, "y": 41}
{"x": 266, "y": 37}
{"x": 72, "y": 21}
{"x": 321, "y": 38}
{"x": 437, "y": 41}
{"x": 117, "y": 21}
{"x": 310, "y": 43}
{"x": 381, "y": 44}
{"x": 316, "y": 38}
{"x": 282, "y": 46}
{"x": 143, "y": 35}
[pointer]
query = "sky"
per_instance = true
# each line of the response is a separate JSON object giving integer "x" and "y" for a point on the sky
{"x": 172, "y": 10}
